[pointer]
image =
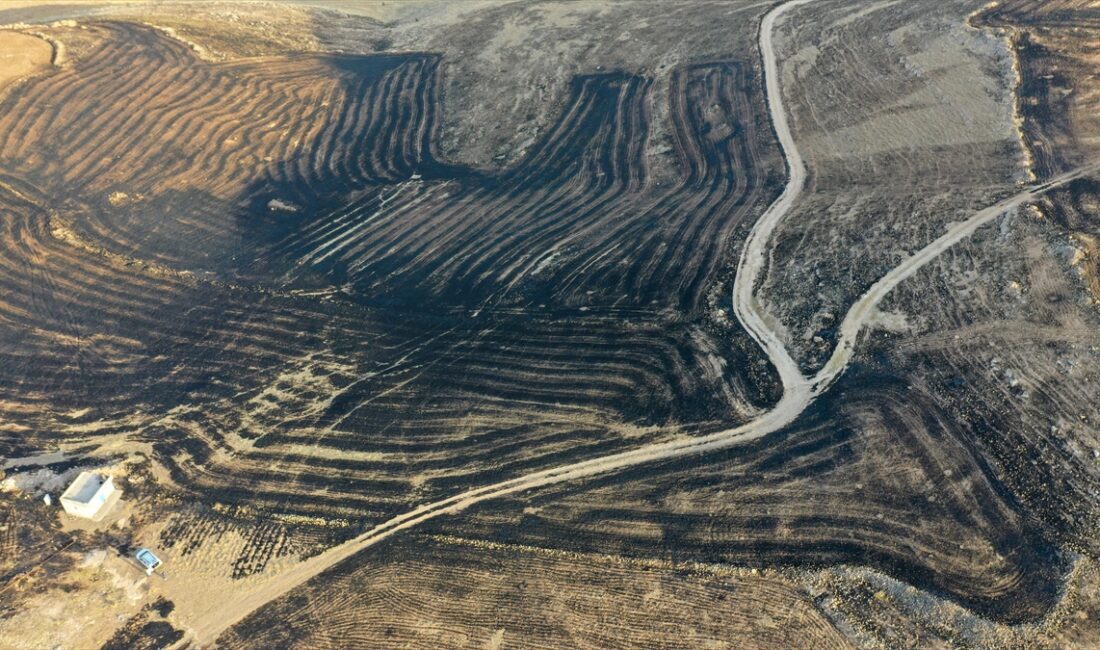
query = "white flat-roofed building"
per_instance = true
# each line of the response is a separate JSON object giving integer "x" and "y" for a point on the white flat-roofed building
{"x": 88, "y": 495}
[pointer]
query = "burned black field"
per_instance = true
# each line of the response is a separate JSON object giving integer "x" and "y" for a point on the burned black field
{"x": 365, "y": 298}
{"x": 395, "y": 328}
{"x": 353, "y": 385}
{"x": 875, "y": 474}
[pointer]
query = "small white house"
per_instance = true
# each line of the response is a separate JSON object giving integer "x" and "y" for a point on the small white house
{"x": 88, "y": 495}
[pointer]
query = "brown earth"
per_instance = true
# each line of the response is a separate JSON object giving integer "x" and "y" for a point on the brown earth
{"x": 22, "y": 55}
{"x": 450, "y": 593}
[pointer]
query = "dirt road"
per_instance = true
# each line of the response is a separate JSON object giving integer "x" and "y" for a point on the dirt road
{"x": 754, "y": 255}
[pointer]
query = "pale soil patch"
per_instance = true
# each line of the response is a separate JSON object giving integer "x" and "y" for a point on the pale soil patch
{"x": 22, "y": 55}
{"x": 95, "y": 599}
{"x": 428, "y": 12}
{"x": 950, "y": 103}
{"x": 895, "y": 322}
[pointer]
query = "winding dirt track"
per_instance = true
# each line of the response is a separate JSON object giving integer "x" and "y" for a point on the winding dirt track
{"x": 753, "y": 256}
{"x": 799, "y": 391}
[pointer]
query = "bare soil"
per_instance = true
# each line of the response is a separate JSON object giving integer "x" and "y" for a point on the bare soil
{"x": 22, "y": 55}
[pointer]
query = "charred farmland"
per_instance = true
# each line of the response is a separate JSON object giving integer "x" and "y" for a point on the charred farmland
{"x": 874, "y": 473}
{"x": 394, "y": 326}
{"x": 263, "y": 278}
